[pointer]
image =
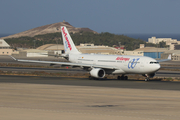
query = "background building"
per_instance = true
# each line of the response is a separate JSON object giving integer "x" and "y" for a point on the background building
{"x": 91, "y": 48}
{"x": 152, "y": 51}
{"x": 155, "y": 40}
{"x": 136, "y": 53}
{"x": 172, "y": 43}
{"x": 31, "y": 53}
{"x": 5, "y": 48}
{"x": 174, "y": 53}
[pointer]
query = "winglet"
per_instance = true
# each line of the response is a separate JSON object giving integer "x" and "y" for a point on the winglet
{"x": 13, "y": 58}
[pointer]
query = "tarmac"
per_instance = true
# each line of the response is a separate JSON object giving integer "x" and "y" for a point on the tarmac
{"x": 53, "y": 98}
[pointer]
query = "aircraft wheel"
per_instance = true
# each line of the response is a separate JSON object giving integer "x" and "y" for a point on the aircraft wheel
{"x": 119, "y": 77}
{"x": 126, "y": 78}
{"x": 96, "y": 78}
{"x": 122, "y": 78}
{"x": 90, "y": 78}
{"x": 147, "y": 79}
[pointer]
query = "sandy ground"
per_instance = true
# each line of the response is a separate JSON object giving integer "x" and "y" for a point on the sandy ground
{"x": 19, "y": 101}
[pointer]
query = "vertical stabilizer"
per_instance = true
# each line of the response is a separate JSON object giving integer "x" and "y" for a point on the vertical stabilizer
{"x": 69, "y": 46}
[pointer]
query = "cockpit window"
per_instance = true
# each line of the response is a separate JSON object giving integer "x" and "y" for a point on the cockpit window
{"x": 154, "y": 62}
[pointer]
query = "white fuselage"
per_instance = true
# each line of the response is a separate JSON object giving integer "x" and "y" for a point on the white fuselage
{"x": 126, "y": 64}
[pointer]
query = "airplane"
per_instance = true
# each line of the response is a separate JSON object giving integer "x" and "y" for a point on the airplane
{"x": 99, "y": 65}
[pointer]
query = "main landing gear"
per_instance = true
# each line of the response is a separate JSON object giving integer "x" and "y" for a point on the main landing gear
{"x": 91, "y": 78}
{"x": 122, "y": 77}
{"x": 94, "y": 78}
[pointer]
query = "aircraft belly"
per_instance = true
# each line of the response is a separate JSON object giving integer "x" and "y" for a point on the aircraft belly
{"x": 118, "y": 72}
{"x": 135, "y": 70}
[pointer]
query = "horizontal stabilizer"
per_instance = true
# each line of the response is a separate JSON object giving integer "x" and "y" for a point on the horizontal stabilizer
{"x": 163, "y": 60}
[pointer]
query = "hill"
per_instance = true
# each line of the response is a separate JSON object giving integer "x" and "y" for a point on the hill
{"x": 50, "y": 34}
{"x": 51, "y": 28}
{"x": 107, "y": 39}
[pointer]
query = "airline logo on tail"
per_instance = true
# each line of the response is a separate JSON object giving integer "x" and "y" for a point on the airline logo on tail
{"x": 66, "y": 38}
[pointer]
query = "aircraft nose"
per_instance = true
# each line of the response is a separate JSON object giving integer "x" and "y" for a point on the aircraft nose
{"x": 157, "y": 67}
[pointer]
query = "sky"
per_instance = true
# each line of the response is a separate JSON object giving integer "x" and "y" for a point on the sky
{"x": 113, "y": 16}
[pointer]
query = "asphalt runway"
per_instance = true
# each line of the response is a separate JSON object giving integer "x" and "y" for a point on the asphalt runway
{"x": 171, "y": 67}
{"x": 168, "y": 74}
{"x": 160, "y": 73}
{"x": 50, "y": 70}
{"x": 54, "y": 98}
{"x": 134, "y": 84}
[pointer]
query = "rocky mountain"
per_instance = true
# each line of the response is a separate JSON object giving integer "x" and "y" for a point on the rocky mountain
{"x": 51, "y": 28}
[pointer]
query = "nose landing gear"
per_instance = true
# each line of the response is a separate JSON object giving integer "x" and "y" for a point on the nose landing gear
{"x": 147, "y": 79}
{"x": 148, "y": 76}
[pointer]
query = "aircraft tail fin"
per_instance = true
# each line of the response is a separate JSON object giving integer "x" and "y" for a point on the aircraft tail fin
{"x": 69, "y": 46}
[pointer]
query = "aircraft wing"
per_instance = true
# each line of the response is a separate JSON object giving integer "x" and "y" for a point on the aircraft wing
{"x": 68, "y": 64}
{"x": 163, "y": 60}
{"x": 57, "y": 55}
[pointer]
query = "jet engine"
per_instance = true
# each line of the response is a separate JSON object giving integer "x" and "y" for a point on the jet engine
{"x": 150, "y": 75}
{"x": 97, "y": 73}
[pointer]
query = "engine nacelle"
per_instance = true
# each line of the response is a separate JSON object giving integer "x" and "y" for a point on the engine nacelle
{"x": 151, "y": 75}
{"x": 97, "y": 73}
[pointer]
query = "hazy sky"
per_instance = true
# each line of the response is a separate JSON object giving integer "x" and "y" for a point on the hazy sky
{"x": 114, "y": 16}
